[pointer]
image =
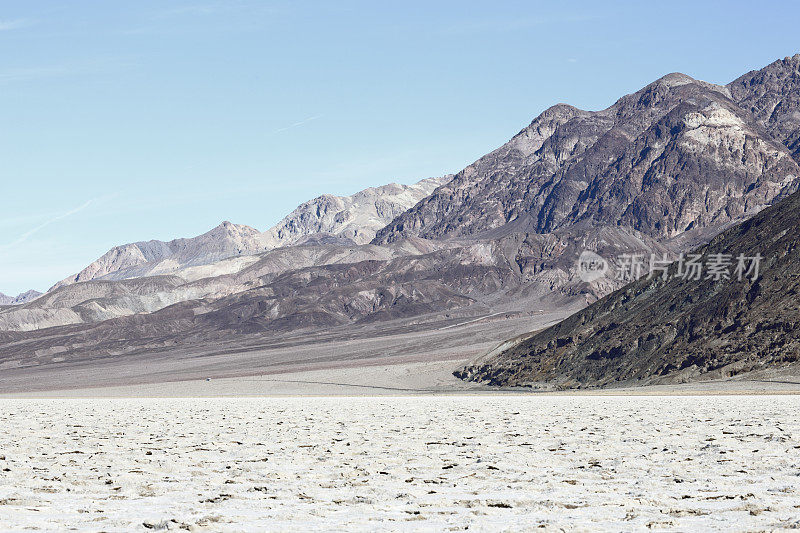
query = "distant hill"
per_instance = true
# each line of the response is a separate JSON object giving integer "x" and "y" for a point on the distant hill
{"x": 344, "y": 219}
{"x": 20, "y": 298}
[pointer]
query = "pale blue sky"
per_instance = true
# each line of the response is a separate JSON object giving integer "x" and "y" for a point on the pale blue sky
{"x": 126, "y": 121}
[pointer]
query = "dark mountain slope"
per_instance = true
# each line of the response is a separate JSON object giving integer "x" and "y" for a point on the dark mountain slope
{"x": 656, "y": 331}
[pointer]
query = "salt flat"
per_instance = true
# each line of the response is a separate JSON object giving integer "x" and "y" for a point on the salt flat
{"x": 485, "y": 462}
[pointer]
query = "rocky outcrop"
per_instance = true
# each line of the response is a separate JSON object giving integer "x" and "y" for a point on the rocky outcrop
{"x": 357, "y": 217}
{"x": 675, "y": 329}
{"x": 772, "y": 95}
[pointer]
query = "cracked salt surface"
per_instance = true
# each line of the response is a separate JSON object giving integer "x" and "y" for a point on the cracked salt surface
{"x": 394, "y": 463}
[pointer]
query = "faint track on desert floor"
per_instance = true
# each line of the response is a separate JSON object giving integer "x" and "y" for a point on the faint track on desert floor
{"x": 310, "y": 382}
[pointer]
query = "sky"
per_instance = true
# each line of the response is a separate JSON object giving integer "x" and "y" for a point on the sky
{"x": 130, "y": 121}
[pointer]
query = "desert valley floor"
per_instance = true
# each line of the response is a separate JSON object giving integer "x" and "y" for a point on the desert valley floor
{"x": 372, "y": 432}
{"x": 396, "y": 359}
{"x": 399, "y": 357}
{"x": 476, "y": 462}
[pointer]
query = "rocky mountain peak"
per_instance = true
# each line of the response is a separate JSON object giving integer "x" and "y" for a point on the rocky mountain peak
{"x": 230, "y": 229}
{"x": 662, "y": 169}
{"x": 356, "y": 218}
{"x": 673, "y": 79}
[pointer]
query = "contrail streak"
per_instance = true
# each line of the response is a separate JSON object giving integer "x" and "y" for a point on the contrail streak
{"x": 297, "y": 124}
{"x": 24, "y": 237}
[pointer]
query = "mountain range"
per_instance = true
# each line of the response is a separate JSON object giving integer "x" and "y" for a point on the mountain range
{"x": 344, "y": 219}
{"x": 663, "y": 170}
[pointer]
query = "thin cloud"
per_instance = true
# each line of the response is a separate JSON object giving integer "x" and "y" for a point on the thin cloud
{"x": 25, "y": 236}
{"x": 6, "y": 25}
{"x": 224, "y": 17}
{"x": 511, "y": 24}
{"x": 100, "y": 64}
{"x": 204, "y": 9}
{"x": 298, "y": 124}
{"x": 216, "y": 8}
{"x": 33, "y": 73}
